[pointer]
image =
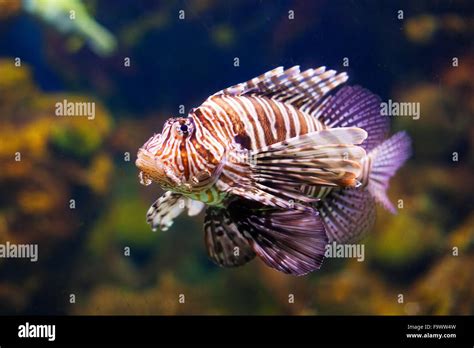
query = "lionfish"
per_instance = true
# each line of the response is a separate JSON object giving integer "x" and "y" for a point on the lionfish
{"x": 283, "y": 165}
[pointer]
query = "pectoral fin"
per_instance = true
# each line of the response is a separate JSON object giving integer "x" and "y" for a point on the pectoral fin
{"x": 274, "y": 174}
{"x": 226, "y": 244}
{"x": 290, "y": 241}
{"x": 166, "y": 208}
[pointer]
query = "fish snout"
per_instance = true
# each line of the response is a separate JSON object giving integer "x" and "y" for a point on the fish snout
{"x": 150, "y": 169}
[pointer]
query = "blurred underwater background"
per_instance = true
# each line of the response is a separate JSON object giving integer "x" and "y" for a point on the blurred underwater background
{"x": 139, "y": 61}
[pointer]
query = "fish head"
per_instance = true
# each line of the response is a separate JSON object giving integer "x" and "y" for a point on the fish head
{"x": 177, "y": 158}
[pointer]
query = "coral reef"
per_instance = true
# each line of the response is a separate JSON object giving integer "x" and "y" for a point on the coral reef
{"x": 46, "y": 161}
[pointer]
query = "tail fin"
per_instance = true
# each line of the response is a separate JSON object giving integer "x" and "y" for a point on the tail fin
{"x": 384, "y": 161}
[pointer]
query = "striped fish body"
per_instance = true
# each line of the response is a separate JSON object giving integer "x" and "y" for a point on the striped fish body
{"x": 252, "y": 115}
{"x": 255, "y": 121}
{"x": 252, "y": 122}
{"x": 283, "y": 165}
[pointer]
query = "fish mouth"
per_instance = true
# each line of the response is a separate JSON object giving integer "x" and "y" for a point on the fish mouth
{"x": 151, "y": 169}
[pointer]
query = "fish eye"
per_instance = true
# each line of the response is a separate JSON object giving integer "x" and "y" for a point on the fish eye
{"x": 184, "y": 128}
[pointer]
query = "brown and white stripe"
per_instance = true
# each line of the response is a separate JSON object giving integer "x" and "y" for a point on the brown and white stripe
{"x": 276, "y": 106}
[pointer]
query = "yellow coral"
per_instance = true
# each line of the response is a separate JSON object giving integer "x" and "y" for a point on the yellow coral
{"x": 9, "y": 8}
{"x": 79, "y": 135}
{"x": 36, "y": 193}
{"x": 99, "y": 173}
{"x": 404, "y": 239}
{"x": 32, "y": 202}
{"x": 12, "y": 75}
{"x": 463, "y": 236}
{"x": 30, "y": 139}
{"x": 446, "y": 288}
{"x": 422, "y": 28}
{"x": 107, "y": 300}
